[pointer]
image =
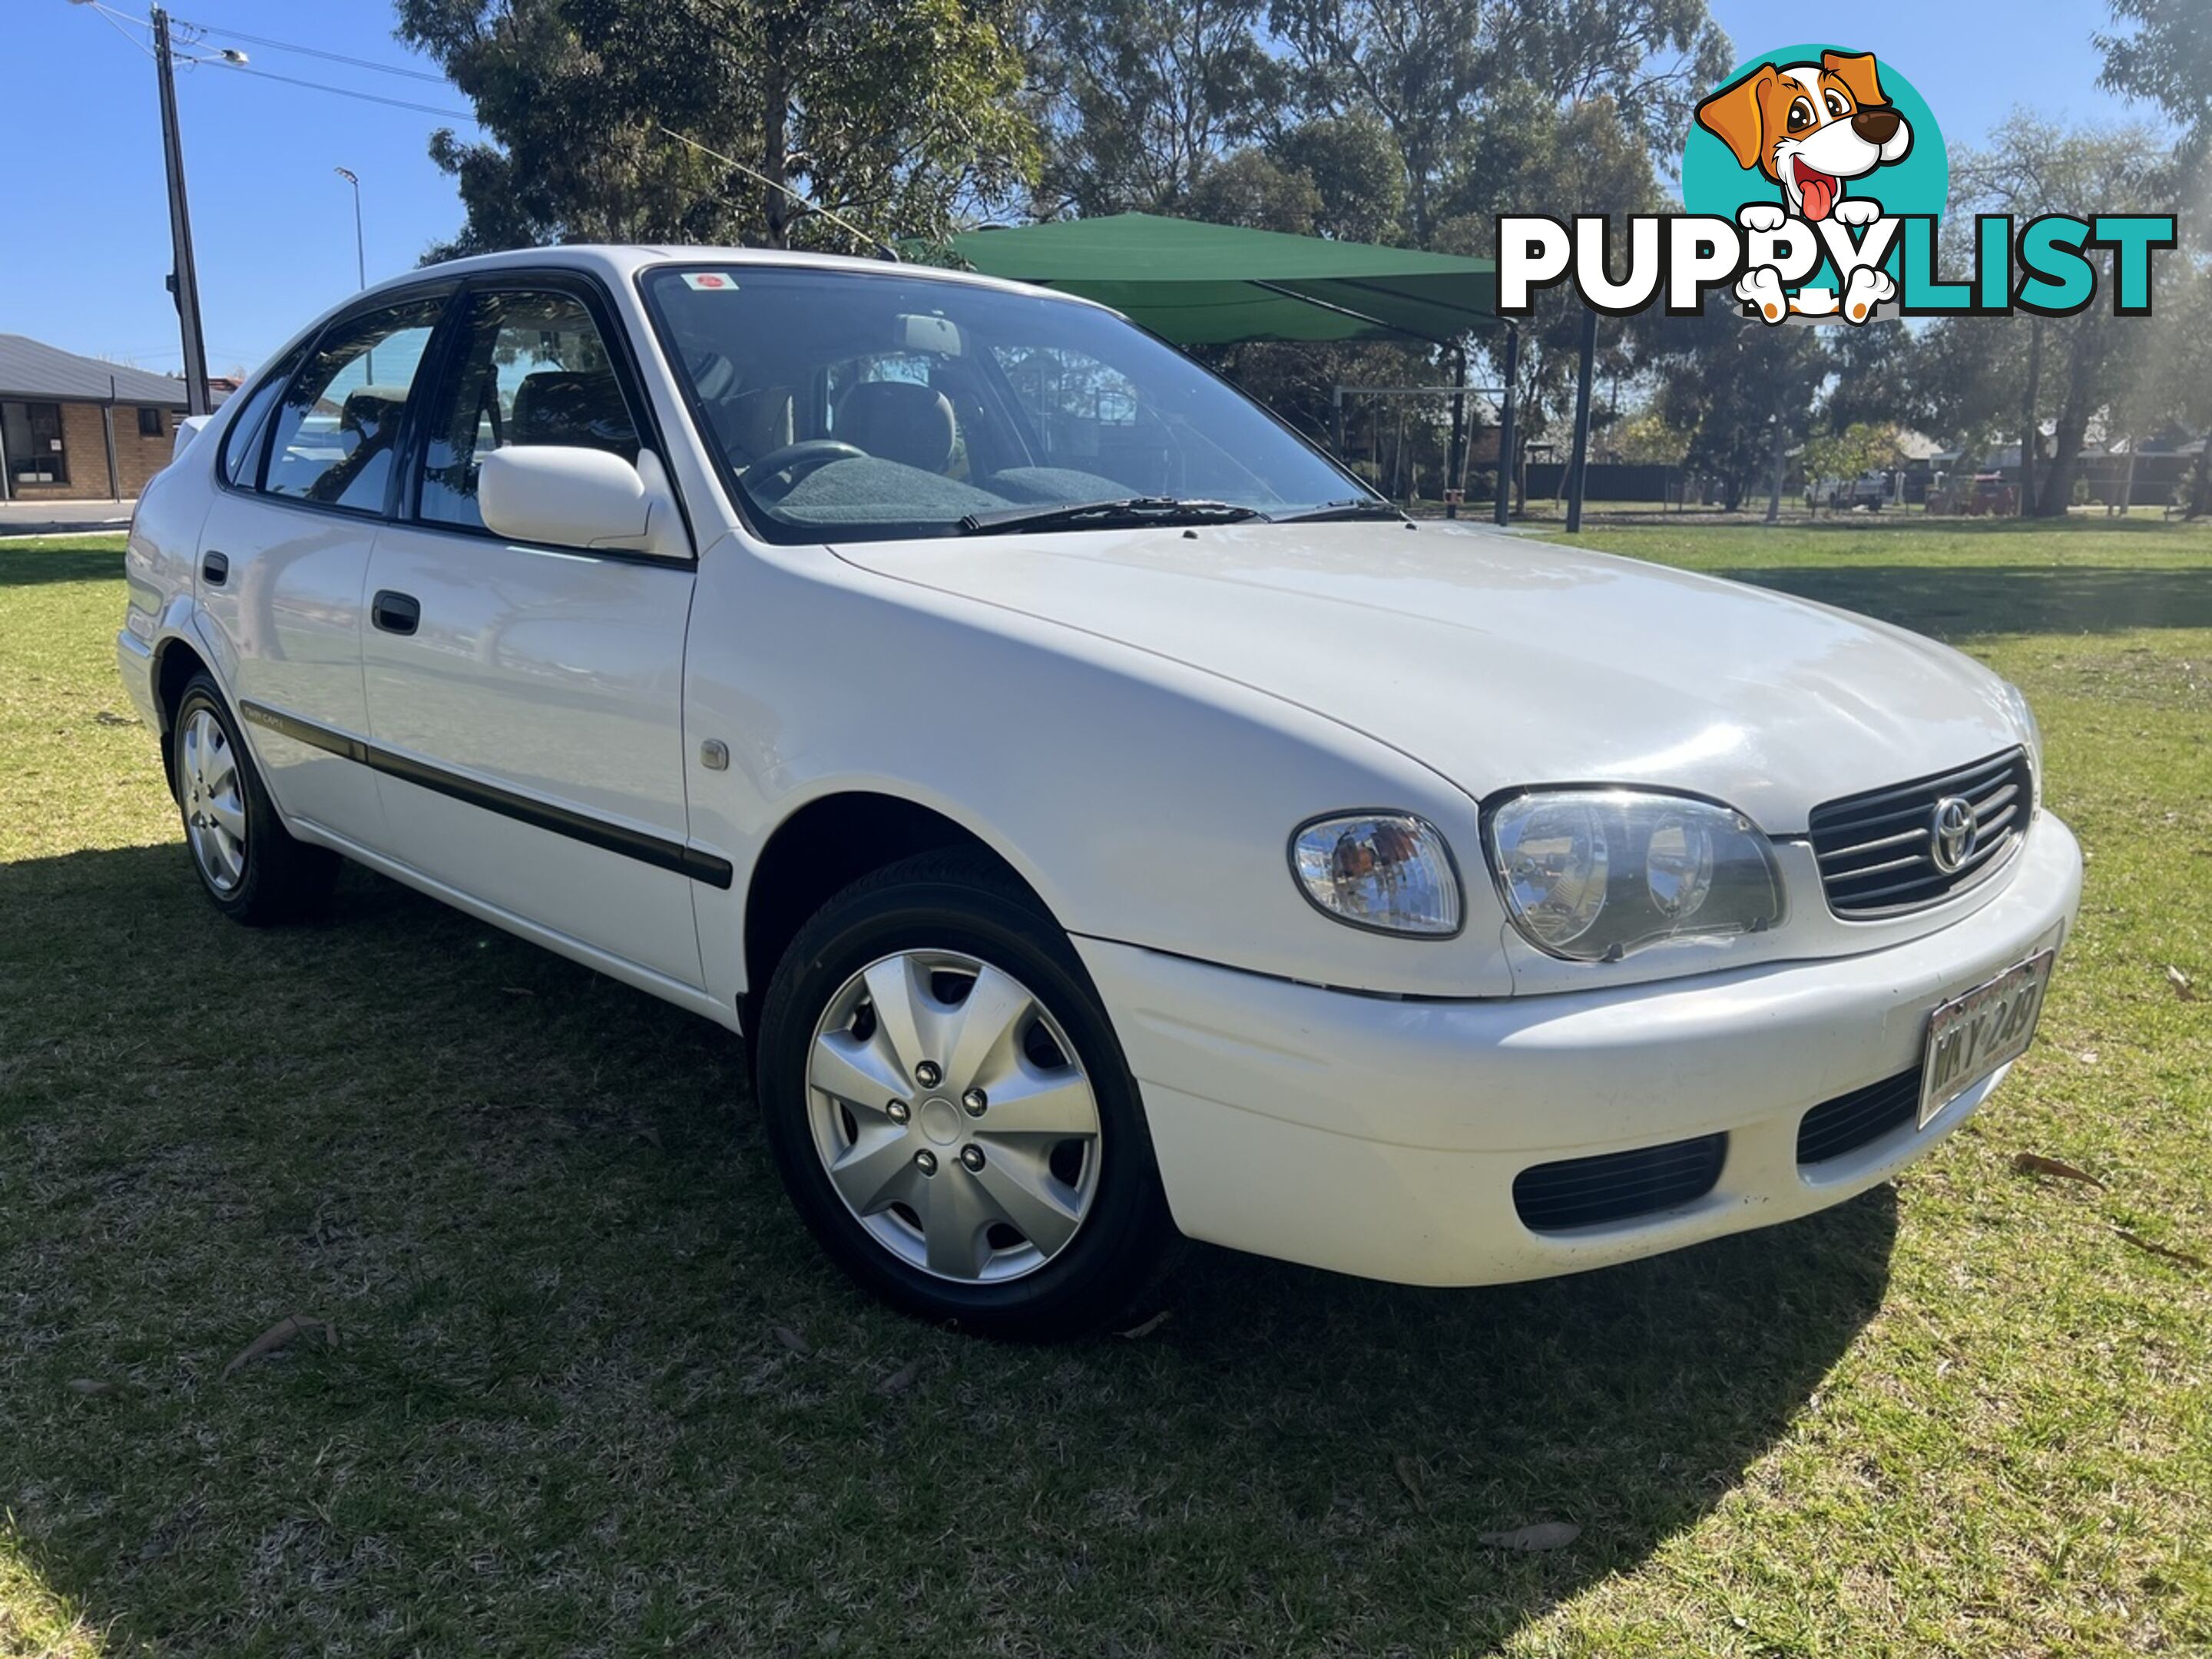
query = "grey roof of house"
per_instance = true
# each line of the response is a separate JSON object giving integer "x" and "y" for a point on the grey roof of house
{"x": 30, "y": 369}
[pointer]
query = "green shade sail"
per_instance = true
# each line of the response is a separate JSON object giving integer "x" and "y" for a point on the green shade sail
{"x": 1201, "y": 284}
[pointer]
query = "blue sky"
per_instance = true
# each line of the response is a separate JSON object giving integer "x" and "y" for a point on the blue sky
{"x": 84, "y": 233}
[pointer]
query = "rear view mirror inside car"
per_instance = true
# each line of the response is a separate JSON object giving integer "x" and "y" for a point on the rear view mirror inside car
{"x": 920, "y": 333}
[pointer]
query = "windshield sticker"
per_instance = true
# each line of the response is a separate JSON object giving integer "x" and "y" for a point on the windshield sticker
{"x": 709, "y": 281}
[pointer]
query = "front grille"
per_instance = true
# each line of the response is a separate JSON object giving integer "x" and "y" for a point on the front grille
{"x": 1584, "y": 1192}
{"x": 1876, "y": 849}
{"x": 1857, "y": 1119}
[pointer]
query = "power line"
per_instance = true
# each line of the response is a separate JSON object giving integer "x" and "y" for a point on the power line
{"x": 837, "y": 219}
{"x": 116, "y": 19}
{"x": 343, "y": 92}
{"x": 317, "y": 51}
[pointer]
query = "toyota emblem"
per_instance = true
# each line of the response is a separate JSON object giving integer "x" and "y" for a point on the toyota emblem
{"x": 1951, "y": 835}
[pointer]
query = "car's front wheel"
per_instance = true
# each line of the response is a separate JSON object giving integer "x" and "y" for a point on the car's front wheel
{"x": 249, "y": 864}
{"x": 950, "y": 1109}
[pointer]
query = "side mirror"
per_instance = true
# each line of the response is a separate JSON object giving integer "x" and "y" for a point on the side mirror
{"x": 581, "y": 498}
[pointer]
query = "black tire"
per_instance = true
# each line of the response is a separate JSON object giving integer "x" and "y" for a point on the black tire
{"x": 956, "y": 903}
{"x": 282, "y": 878}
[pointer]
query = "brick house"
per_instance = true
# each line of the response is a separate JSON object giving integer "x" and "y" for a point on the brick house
{"x": 76, "y": 429}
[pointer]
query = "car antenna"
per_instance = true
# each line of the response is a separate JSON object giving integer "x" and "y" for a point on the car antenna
{"x": 834, "y": 218}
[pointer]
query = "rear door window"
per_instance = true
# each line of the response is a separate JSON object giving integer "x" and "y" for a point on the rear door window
{"x": 242, "y": 442}
{"x": 336, "y": 432}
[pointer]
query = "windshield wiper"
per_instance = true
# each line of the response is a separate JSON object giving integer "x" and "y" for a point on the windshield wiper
{"x": 1358, "y": 507}
{"x": 1128, "y": 510}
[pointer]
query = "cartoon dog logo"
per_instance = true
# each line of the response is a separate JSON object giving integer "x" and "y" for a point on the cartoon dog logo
{"x": 1811, "y": 128}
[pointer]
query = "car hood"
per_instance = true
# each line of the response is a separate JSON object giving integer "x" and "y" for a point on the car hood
{"x": 1500, "y": 661}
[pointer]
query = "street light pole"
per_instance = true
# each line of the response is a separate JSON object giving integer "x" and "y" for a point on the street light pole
{"x": 184, "y": 279}
{"x": 360, "y": 259}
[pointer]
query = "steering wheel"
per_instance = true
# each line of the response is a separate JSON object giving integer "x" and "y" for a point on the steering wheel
{"x": 797, "y": 459}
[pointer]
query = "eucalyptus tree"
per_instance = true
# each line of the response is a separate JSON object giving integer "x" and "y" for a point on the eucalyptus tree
{"x": 897, "y": 117}
{"x": 1139, "y": 98}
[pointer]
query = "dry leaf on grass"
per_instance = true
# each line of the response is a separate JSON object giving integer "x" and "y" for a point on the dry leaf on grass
{"x": 2179, "y": 981}
{"x": 1147, "y": 1327}
{"x": 793, "y": 1340}
{"x": 282, "y": 1335}
{"x": 2141, "y": 1243}
{"x": 2036, "y": 1164}
{"x": 518, "y": 990}
{"x": 90, "y": 1386}
{"x": 1544, "y": 1536}
{"x": 896, "y": 1382}
{"x": 1409, "y": 1477}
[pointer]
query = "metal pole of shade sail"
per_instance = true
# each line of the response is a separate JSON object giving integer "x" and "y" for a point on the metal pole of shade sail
{"x": 1503, "y": 511}
{"x": 1456, "y": 461}
{"x": 1578, "y": 471}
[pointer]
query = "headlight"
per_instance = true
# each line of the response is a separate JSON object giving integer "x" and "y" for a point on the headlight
{"x": 1387, "y": 871}
{"x": 1592, "y": 874}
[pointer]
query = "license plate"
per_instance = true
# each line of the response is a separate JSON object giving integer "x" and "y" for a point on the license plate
{"x": 1970, "y": 1035}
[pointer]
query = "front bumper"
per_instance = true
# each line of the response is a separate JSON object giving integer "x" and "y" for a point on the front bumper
{"x": 1382, "y": 1138}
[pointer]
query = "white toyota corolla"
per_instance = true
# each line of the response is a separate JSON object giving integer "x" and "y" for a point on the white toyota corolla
{"x": 1103, "y": 816}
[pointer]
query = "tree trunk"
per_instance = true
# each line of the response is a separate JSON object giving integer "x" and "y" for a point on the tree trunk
{"x": 2027, "y": 436}
{"x": 2200, "y": 490}
{"x": 1774, "y": 490}
{"x": 777, "y": 208}
{"x": 2065, "y": 450}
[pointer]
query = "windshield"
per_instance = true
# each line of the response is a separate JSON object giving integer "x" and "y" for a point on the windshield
{"x": 852, "y": 405}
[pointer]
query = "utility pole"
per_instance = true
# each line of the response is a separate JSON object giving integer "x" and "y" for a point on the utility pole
{"x": 184, "y": 279}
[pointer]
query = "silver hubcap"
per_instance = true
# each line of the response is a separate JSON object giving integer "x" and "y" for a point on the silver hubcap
{"x": 983, "y": 1172}
{"x": 214, "y": 802}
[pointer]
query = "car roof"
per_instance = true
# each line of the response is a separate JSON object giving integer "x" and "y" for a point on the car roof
{"x": 616, "y": 263}
{"x": 620, "y": 261}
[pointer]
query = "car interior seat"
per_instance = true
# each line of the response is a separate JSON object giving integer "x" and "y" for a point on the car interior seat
{"x": 899, "y": 421}
{"x": 575, "y": 406}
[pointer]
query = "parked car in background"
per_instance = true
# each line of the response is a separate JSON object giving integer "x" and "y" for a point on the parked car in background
{"x": 1103, "y": 816}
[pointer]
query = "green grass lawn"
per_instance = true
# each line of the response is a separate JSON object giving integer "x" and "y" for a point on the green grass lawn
{"x": 593, "y": 1390}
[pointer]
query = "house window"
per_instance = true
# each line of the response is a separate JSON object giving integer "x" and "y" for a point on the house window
{"x": 150, "y": 423}
{"x": 32, "y": 435}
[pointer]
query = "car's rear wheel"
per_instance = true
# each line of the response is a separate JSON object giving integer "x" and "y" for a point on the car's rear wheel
{"x": 249, "y": 866}
{"x": 949, "y": 1108}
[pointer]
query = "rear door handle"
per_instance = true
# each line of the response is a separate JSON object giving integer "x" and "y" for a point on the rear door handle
{"x": 395, "y": 613}
{"x": 215, "y": 569}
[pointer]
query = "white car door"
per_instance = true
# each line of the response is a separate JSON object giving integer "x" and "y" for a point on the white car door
{"x": 525, "y": 702}
{"x": 307, "y": 477}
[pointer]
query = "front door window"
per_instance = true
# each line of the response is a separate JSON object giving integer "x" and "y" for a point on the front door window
{"x": 535, "y": 370}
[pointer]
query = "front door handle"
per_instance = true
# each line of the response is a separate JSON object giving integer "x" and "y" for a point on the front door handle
{"x": 215, "y": 569}
{"x": 395, "y": 613}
